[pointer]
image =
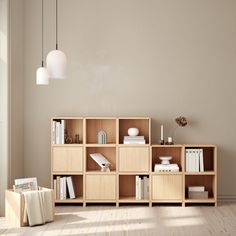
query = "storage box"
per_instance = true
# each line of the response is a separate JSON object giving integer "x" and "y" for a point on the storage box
{"x": 14, "y": 207}
{"x": 197, "y": 195}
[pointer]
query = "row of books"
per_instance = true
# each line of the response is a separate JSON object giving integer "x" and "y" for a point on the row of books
{"x": 134, "y": 140}
{"x": 197, "y": 192}
{"x": 58, "y": 132}
{"x": 141, "y": 187}
{"x": 194, "y": 160}
{"x": 63, "y": 188}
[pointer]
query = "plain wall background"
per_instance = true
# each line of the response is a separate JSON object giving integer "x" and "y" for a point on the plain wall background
{"x": 16, "y": 84}
{"x": 157, "y": 58}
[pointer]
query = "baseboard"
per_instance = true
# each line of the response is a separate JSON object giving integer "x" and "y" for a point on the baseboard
{"x": 226, "y": 197}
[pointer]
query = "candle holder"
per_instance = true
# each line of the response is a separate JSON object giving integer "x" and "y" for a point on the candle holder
{"x": 169, "y": 141}
{"x": 162, "y": 142}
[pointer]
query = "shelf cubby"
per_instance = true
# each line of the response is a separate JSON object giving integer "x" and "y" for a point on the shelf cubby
{"x": 175, "y": 151}
{"x": 78, "y": 188}
{"x": 108, "y": 152}
{"x": 209, "y": 156}
{"x": 127, "y": 187}
{"x": 208, "y": 181}
{"x": 94, "y": 125}
{"x": 143, "y": 124}
{"x": 73, "y": 126}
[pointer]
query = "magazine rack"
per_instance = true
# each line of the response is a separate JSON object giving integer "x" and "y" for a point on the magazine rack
{"x": 14, "y": 207}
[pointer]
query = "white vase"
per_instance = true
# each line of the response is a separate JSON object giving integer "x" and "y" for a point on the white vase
{"x": 133, "y": 131}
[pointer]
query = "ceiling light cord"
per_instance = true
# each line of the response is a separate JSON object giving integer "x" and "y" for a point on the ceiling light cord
{"x": 56, "y": 24}
{"x": 42, "y": 36}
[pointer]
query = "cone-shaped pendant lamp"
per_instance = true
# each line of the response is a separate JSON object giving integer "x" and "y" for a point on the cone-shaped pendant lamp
{"x": 56, "y": 59}
{"x": 42, "y": 76}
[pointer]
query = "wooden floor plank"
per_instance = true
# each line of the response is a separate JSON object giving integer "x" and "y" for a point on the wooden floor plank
{"x": 134, "y": 221}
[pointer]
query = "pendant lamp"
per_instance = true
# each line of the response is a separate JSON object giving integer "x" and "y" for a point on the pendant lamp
{"x": 42, "y": 76}
{"x": 56, "y": 59}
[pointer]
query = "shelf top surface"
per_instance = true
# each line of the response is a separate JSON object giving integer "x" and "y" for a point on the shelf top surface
{"x": 67, "y": 118}
{"x": 184, "y": 145}
{"x": 167, "y": 146}
{"x": 101, "y": 117}
{"x": 201, "y": 173}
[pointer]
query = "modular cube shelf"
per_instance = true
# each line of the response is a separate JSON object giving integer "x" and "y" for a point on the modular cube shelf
{"x": 127, "y": 161}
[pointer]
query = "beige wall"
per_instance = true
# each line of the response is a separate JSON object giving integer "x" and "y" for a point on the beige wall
{"x": 129, "y": 58}
{"x": 4, "y": 101}
{"x": 16, "y": 90}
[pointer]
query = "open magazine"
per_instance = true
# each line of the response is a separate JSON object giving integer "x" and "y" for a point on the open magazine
{"x": 25, "y": 184}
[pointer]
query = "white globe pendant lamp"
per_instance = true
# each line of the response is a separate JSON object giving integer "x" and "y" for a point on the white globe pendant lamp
{"x": 42, "y": 76}
{"x": 56, "y": 59}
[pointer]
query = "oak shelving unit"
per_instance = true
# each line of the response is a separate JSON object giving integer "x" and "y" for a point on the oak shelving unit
{"x": 208, "y": 178}
{"x": 128, "y": 161}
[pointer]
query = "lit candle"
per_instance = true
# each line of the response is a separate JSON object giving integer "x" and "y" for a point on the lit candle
{"x": 169, "y": 140}
{"x": 162, "y": 132}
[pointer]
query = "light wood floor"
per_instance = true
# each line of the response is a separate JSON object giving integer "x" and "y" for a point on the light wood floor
{"x": 135, "y": 220}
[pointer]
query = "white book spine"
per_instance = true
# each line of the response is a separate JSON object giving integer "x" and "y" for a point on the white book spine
{"x": 187, "y": 160}
{"x": 198, "y": 160}
{"x": 141, "y": 189}
{"x": 195, "y": 160}
{"x": 136, "y": 186}
{"x": 57, "y": 132}
{"x": 61, "y": 189}
{"x": 54, "y": 132}
{"x": 70, "y": 187}
{"x": 148, "y": 188}
{"x": 62, "y": 131}
{"x": 191, "y": 160}
{"x": 55, "y": 188}
{"x": 201, "y": 160}
{"x": 64, "y": 188}
{"x": 145, "y": 190}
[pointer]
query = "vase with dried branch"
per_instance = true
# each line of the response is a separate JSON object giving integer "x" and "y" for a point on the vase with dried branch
{"x": 180, "y": 121}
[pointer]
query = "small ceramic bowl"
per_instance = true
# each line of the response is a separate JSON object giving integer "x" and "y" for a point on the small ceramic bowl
{"x": 165, "y": 160}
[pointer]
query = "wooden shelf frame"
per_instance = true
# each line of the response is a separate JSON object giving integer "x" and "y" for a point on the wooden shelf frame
{"x": 125, "y": 163}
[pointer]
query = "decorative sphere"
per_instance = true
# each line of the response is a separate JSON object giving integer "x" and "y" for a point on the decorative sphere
{"x": 133, "y": 131}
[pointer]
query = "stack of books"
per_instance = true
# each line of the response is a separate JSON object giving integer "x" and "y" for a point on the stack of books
{"x": 197, "y": 192}
{"x": 141, "y": 187}
{"x": 166, "y": 168}
{"x": 58, "y": 132}
{"x": 63, "y": 188}
{"x": 194, "y": 160}
{"x": 134, "y": 140}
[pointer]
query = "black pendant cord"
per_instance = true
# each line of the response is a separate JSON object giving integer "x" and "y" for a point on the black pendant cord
{"x": 56, "y": 25}
{"x": 42, "y": 35}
